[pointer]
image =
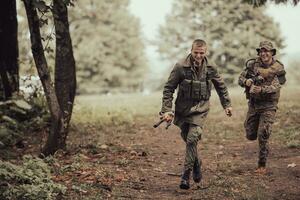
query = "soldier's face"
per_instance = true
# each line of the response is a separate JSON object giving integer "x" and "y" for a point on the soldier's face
{"x": 198, "y": 52}
{"x": 265, "y": 56}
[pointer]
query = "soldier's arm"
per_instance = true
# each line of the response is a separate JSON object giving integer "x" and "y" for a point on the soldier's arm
{"x": 220, "y": 87}
{"x": 276, "y": 69}
{"x": 281, "y": 77}
{"x": 281, "y": 74}
{"x": 272, "y": 88}
{"x": 169, "y": 88}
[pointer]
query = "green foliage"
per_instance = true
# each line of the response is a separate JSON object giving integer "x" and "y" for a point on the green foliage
{"x": 17, "y": 117}
{"x": 232, "y": 30}
{"x": 32, "y": 180}
{"x": 107, "y": 46}
{"x": 263, "y": 2}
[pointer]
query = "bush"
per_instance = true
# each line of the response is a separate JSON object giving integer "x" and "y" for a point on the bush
{"x": 18, "y": 116}
{"x": 32, "y": 180}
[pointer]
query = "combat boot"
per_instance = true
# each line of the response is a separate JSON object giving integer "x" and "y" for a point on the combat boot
{"x": 185, "y": 180}
{"x": 197, "y": 175}
{"x": 261, "y": 170}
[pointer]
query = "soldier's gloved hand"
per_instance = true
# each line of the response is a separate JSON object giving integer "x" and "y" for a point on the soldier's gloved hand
{"x": 255, "y": 89}
{"x": 228, "y": 111}
{"x": 167, "y": 117}
{"x": 249, "y": 82}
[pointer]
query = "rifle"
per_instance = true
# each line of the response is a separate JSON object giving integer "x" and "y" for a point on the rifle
{"x": 256, "y": 78}
{"x": 160, "y": 122}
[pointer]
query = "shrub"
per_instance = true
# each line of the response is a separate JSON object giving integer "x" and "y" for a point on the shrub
{"x": 32, "y": 180}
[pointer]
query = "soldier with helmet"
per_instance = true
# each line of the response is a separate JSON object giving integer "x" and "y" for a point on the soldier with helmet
{"x": 262, "y": 79}
{"x": 194, "y": 77}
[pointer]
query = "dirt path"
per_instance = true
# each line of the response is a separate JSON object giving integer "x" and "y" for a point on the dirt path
{"x": 140, "y": 162}
{"x": 154, "y": 163}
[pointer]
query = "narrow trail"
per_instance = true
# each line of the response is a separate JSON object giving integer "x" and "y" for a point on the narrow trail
{"x": 228, "y": 169}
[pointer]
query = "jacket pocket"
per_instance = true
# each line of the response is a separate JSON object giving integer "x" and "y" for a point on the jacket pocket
{"x": 196, "y": 90}
{"x": 185, "y": 88}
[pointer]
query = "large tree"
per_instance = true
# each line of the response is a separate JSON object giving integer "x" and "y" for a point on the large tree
{"x": 9, "y": 75}
{"x": 59, "y": 97}
{"x": 109, "y": 48}
{"x": 232, "y": 30}
{"x": 65, "y": 76}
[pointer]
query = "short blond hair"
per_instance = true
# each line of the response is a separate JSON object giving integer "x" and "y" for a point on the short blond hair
{"x": 199, "y": 42}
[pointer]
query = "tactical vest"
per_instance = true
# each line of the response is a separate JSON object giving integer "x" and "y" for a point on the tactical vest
{"x": 196, "y": 90}
{"x": 255, "y": 73}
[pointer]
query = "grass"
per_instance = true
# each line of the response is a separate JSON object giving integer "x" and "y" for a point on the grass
{"x": 114, "y": 110}
{"x": 123, "y": 110}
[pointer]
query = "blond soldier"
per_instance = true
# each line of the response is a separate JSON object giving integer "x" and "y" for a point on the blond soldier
{"x": 194, "y": 77}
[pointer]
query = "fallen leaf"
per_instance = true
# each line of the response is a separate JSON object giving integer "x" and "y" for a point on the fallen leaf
{"x": 133, "y": 153}
{"x": 103, "y": 146}
{"x": 292, "y": 165}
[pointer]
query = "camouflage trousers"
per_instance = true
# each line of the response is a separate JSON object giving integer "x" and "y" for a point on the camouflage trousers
{"x": 258, "y": 124}
{"x": 191, "y": 134}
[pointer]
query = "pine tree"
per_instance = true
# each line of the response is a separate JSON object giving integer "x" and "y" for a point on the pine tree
{"x": 232, "y": 30}
{"x": 108, "y": 45}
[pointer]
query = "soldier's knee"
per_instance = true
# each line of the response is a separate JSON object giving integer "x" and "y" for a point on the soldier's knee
{"x": 191, "y": 141}
{"x": 194, "y": 135}
{"x": 265, "y": 132}
{"x": 251, "y": 134}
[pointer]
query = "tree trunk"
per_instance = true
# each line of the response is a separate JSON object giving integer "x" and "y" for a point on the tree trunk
{"x": 57, "y": 125}
{"x": 9, "y": 52}
{"x": 65, "y": 74}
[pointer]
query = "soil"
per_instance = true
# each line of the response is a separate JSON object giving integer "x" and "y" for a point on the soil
{"x": 146, "y": 163}
{"x": 140, "y": 162}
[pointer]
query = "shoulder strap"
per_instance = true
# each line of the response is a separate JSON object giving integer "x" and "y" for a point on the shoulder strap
{"x": 249, "y": 63}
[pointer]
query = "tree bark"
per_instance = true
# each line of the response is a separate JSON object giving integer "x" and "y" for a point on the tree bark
{"x": 65, "y": 73}
{"x": 9, "y": 52}
{"x": 57, "y": 125}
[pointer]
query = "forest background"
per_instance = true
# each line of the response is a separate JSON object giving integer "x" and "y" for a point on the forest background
{"x": 77, "y": 109}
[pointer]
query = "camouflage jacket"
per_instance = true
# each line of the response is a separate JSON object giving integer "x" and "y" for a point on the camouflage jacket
{"x": 194, "y": 89}
{"x": 270, "y": 78}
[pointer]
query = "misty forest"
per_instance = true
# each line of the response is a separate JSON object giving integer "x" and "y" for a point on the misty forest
{"x": 78, "y": 101}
